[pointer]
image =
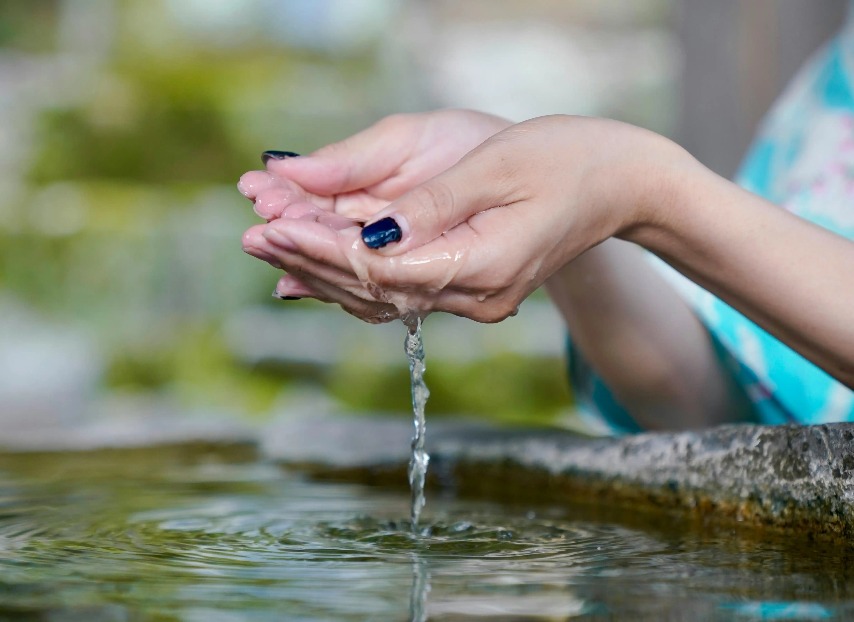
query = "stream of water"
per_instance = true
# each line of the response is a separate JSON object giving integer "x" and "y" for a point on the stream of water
{"x": 414, "y": 347}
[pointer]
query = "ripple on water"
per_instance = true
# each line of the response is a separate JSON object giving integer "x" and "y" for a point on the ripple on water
{"x": 195, "y": 541}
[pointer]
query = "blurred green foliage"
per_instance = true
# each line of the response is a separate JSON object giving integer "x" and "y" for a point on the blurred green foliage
{"x": 509, "y": 388}
{"x": 28, "y": 26}
{"x": 197, "y": 368}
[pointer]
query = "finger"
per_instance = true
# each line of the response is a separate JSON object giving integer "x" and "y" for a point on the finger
{"x": 370, "y": 311}
{"x": 289, "y": 256}
{"x": 325, "y": 254}
{"x": 273, "y": 199}
{"x": 362, "y": 306}
{"x": 254, "y": 244}
{"x": 330, "y": 285}
{"x": 357, "y": 162}
{"x": 310, "y": 240}
{"x": 311, "y": 212}
{"x": 360, "y": 205}
{"x": 427, "y": 268}
{"x": 449, "y": 274}
{"x": 290, "y": 287}
{"x": 272, "y": 195}
{"x": 254, "y": 182}
{"x": 480, "y": 181}
{"x": 473, "y": 303}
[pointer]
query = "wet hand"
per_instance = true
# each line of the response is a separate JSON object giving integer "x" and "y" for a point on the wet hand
{"x": 343, "y": 184}
{"x": 478, "y": 238}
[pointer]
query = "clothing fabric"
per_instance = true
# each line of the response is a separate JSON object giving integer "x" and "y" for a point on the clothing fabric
{"x": 802, "y": 159}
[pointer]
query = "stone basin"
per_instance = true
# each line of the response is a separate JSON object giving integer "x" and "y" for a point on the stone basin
{"x": 790, "y": 478}
{"x": 782, "y": 477}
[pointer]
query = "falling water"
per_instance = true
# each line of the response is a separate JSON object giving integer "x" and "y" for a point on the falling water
{"x": 414, "y": 347}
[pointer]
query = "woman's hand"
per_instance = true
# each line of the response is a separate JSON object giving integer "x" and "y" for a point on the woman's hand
{"x": 476, "y": 239}
{"x": 359, "y": 176}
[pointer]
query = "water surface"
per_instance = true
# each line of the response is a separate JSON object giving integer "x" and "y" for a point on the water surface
{"x": 213, "y": 534}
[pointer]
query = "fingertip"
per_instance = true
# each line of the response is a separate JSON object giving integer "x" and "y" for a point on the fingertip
{"x": 252, "y": 183}
{"x": 264, "y": 254}
{"x": 253, "y": 234}
{"x": 291, "y": 288}
{"x": 272, "y": 201}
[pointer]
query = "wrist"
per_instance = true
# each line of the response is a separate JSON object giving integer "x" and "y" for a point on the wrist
{"x": 659, "y": 192}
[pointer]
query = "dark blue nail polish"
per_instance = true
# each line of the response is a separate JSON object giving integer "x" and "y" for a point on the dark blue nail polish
{"x": 280, "y": 297}
{"x": 382, "y": 232}
{"x": 277, "y": 155}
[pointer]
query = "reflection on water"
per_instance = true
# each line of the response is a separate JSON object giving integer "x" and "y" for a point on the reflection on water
{"x": 420, "y": 590}
{"x": 192, "y": 534}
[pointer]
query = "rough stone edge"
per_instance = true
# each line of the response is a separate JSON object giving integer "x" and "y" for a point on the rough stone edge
{"x": 789, "y": 477}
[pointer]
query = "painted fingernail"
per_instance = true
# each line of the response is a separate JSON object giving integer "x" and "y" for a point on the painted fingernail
{"x": 281, "y": 297}
{"x": 277, "y": 155}
{"x": 382, "y": 232}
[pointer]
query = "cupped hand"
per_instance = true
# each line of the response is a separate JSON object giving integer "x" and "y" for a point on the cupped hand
{"x": 478, "y": 238}
{"x": 345, "y": 183}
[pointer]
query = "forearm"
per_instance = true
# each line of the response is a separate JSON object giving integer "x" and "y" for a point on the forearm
{"x": 791, "y": 277}
{"x": 645, "y": 342}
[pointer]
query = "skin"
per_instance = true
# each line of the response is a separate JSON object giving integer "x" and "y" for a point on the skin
{"x": 536, "y": 202}
{"x": 356, "y": 178}
{"x": 642, "y": 338}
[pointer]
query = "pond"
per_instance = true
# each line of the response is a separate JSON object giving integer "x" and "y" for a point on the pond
{"x": 209, "y": 532}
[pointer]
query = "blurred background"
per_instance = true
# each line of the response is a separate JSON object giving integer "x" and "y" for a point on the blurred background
{"x": 124, "y": 125}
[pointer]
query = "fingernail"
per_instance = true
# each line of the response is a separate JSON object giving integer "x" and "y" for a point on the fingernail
{"x": 382, "y": 232}
{"x": 281, "y": 297}
{"x": 277, "y": 155}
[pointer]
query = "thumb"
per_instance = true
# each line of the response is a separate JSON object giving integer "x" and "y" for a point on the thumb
{"x": 360, "y": 161}
{"x": 476, "y": 183}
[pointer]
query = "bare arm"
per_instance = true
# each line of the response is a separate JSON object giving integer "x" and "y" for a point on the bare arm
{"x": 644, "y": 340}
{"x": 791, "y": 277}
